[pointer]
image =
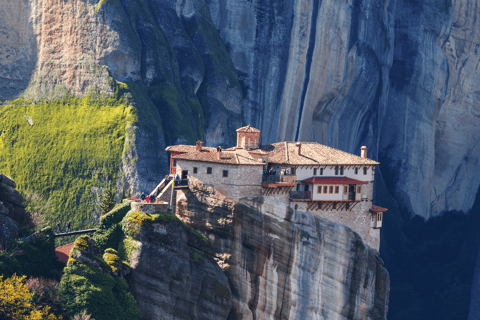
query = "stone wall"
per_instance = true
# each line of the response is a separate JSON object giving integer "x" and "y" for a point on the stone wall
{"x": 242, "y": 180}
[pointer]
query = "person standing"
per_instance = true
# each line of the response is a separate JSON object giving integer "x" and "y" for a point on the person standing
{"x": 68, "y": 226}
{"x": 143, "y": 196}
{"x": 58, "y": 227}
{"x": 148, "y": 198}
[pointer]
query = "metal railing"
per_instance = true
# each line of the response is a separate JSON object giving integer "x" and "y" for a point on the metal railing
{"x": 181, "y": 182}
{"x": 300, "y": 195}
{"x": 271, "y": 178}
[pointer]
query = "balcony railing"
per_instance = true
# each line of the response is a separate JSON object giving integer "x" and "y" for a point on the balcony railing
{"x": 300, "y": 195}
{"x": 272, "y": 179}
{"x": 181, "y": 182}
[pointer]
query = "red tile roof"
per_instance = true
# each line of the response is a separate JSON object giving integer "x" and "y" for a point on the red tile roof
{"x": 188, "y": 148}
{"x": 64, "y": 251}
{"x": 312, "y": 153}
{"x": 377, "y": 209}
{"x": 333, "y": 180}
{"x": 239, "y": 156}
{"x": 248, "y": 129}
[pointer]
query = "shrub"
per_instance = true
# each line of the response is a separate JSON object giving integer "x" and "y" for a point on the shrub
{"x": 114, "y": 216}
{"x": 83, "y": 316}
{"x": 45, "y": 294}
{"x": 103, "y": 296}
{"x": 109, "y": 238}
{"x": 15, "y": 301}
{"x": 32, "y": 258}
{"x": 133, "y": 222}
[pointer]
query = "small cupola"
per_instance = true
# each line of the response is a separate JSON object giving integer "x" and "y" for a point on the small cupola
{"x": 248, "y": 137}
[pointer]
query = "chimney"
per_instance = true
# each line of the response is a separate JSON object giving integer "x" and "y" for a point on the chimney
{"x": 299, "y": 145}
{"x": 199, "y": 145}
{"x": 363, "y": 153}
{"x": 219, "y": 153}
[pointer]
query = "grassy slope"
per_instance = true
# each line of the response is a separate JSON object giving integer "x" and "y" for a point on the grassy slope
{"x": 69, "y": 154}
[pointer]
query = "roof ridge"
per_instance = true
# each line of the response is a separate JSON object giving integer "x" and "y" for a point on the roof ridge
{"x": 286, "y": 152}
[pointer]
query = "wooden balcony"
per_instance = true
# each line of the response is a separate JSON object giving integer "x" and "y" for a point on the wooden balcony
{"x": 282, "y": 184}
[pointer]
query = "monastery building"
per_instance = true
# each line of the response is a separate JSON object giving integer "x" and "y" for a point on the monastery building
{"x": 303, "y": 176}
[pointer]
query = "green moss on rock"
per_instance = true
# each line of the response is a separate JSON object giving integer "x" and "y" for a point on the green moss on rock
{"x": 70, "y": 153}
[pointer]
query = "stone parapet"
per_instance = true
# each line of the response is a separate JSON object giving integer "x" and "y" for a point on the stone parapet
{"x": 150, "y": 207}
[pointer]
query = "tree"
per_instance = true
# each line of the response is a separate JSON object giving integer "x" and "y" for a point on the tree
{"x": 108, "y": 202}
{"x": 15, "y": 301}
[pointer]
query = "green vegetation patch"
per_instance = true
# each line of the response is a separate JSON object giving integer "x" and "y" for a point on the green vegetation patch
{"x": 115, "y": 216}
{"x": 69, "y": 153}
{"x": 103, "y": 296}
{"x": 196, "y": 256}
{"x": 32, "y": 258}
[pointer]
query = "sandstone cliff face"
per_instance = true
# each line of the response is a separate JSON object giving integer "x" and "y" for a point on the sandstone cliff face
{"x": 290, "y": 266}
{"x": 398, "y": 76}
{"x": 174, "y": 275}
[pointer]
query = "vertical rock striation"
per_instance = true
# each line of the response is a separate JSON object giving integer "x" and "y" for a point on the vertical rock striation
{"x": 290, "y": 266}
{"x": 397, "y": 75}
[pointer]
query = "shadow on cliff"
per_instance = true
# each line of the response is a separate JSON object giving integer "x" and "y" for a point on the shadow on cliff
{"x": 431, "y": 263}
{"x": 18, "y": 52}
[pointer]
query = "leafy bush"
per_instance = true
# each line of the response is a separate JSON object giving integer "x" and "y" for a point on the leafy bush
{"x": 114, "y": 216}
{"x": 45, "y": 294}
{"x": 32, "y": 258}
{"x": 103, "y": 296}
{"x": 108, "y": 238}
{"x": 110, "y": 234}
{"x": 15, "y": 301}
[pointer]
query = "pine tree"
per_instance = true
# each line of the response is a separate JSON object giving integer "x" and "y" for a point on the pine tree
{"x": 108, "y": 202}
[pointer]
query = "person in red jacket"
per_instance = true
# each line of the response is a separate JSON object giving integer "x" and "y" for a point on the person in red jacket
{"x": 148, "y": 198}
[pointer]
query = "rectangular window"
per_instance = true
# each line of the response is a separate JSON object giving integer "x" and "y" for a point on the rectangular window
{"x": 337, "y": 189}
{"x": 336, "y": 170}
{"x": 314, "y": 171}
{"x": 356, "y": 170}
{"x": 195, "y": 170}
{"x": 330, "y": 189}
{"x": 319, "y": 189}
{"x": 225, "y": 173}
{"x": 209, "y": 170}
{"x": 321, "y": 171}
{"x": 341, "y": 170}
{"x": 293, "y": 170}
{"x": 325, "y": 188}
{"x": 359, "y": 189}
{"x": 174, "y": 162}
{"x": 345, "y": 189}
{"x": 365, "y": 169}
{"x": 334, "y": 206}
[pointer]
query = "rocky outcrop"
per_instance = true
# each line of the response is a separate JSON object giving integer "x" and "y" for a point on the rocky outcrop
{"x": 8, "y": 230}
{"x": 290, "y": 266}
{"x": 174, "y": 275}
{"x": 12, "y": 204}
